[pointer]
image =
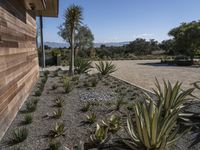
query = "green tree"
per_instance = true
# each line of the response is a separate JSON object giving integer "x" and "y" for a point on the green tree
{"x": 187, "y": 38}
{"x": 168, "y": 46}
{"x": 73, "y": 19}
{"x": 83, "y": 39}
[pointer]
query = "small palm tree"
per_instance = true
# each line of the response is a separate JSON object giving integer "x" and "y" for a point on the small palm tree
{"x": 73, "y": 19}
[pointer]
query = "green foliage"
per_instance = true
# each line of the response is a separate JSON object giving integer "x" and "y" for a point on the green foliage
{"x": 55, "y": 52}
{"x": 186, "y": 38}
{"x": 82, "y": 66}
{"x": 58, "y": 130}
{"x": 38, "y": 93}
{"x": 67, "y": 84}
{"x": 100, "y": 136}
{"x": 57, "y": 113}
{"x": 172, "y": 98}
{"x": 59, "y": 102}
{"x": 19, "y": 135}
{"x": 86, "y": 107}
{"x": 54, "y": 145}
{"x": 151, "y": 130}
{"x": 94, "y": 81}
{"x": 91, "y": 118}
{"x": 105, "y": 68}
{"x": 113, "y": 123}
{"x": 31, "y": 106}
{"x": 27, "y": 119}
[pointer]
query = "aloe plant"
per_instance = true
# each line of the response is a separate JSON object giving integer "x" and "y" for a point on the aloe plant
{"x": 105, "y": 68}
{"x": 113, "y": 123}
{"x": 151, "y": 130}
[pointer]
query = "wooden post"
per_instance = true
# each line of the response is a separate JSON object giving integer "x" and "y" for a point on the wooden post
{"x": 41, "y": 42}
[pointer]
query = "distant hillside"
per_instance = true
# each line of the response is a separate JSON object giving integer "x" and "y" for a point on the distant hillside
{"x": 57, "y": 45}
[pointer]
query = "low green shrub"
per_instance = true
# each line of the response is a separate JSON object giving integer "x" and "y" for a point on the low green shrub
{"x": 31, "y": 106}
{"x": 19, "y": 135}
{"x": 67, "y": 84}
{"x": 54, "y": 145}
{"x": 28, "y": 119}
{"x": 58, "y": 130}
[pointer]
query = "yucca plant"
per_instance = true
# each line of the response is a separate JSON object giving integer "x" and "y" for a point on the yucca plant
{"x": 105, "y": 68}
{"x": 58, "y": 130}
{"x": 151, "y": 130}
{"x": 113, "y": 123}
{"x": 57, "y": 113}
{"x": 172, "y": 98}
{"x": 100, "y": 136}
{"x": 91, "y": 118}
{"x": 19, "y": 135}
{"x": 59, "y": 102}
{"x": 82, "y": 66}
{"x": 68, "y": 85}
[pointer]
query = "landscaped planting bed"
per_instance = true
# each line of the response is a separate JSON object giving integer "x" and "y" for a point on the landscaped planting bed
{"x": 77, "y": 104}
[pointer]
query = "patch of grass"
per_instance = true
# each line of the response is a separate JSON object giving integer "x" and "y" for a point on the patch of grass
{"x": 38, "y": 92}
{"x": 67, "y": 85}
{"x": 31, "y": 106}
{"x": 19, "y": 135}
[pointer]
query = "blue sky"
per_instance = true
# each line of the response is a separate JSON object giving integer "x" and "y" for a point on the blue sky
{"x": 125, "y": 20}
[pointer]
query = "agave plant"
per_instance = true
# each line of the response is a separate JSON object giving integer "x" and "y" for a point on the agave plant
{"x": 105, "y": 68}
{"x": 82, "y": 66}
{"x": 113, "y": 123}
{"x": 57, "y": 113}
{"x": 91, "y": 118}
{"x": 100, "y": 136}
{"x": 58, "y": 130}
{"x": 151, "y": 130}
{"x": 59, "y": 102}
{"x": 172, "y": 98}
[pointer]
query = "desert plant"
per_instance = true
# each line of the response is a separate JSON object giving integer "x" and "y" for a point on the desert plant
{"x": 86, "y": 107}
{"x": 58, "y": 130}
{"x": 57, "y": 113}
{"x": 91, "y": 118}
{"x": 105, "y": 68}
{"x": 54, "y": 145}
{"x": 27, "y": 119}
{"x": 59, "y": 102}
{"x": 113, "y": 123}
{"x": 100, "y": 136}
{"x": 31, "y": 106}
{"x": 151, "y": 130}
{"x": 172, "y": 98}
{"x": 19, "y": 135}
{"x": 67, "y": 84}
{"x": 82, "y": 66}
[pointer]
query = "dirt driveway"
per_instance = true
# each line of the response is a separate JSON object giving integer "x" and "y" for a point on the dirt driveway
{"x": 143, "y": 73}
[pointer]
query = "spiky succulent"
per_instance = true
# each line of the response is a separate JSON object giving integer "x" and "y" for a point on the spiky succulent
{"x": 105, "y": 68}
{"x": 113, "y": 123}
{"x": 58, "y": 130}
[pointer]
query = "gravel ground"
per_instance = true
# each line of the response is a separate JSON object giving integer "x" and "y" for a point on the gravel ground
{"x": 104, "y": 95}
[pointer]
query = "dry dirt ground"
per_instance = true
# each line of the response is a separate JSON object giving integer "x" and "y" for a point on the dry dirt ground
{"x": 143, "y": 72}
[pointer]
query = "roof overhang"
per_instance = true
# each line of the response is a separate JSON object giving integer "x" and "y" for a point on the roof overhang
{"x": 46, "y": 8}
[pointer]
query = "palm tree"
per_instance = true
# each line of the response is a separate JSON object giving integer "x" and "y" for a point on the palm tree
{"x": 73, "y": 19}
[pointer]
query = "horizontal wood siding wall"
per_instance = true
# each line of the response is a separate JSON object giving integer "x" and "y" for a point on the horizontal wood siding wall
{"x": 18, "y": 59}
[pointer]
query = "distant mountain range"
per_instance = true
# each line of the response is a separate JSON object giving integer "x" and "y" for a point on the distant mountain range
{"x": 57, "y": 45}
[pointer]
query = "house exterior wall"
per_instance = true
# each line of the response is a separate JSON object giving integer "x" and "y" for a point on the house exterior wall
{"x": 19, "y": 69}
